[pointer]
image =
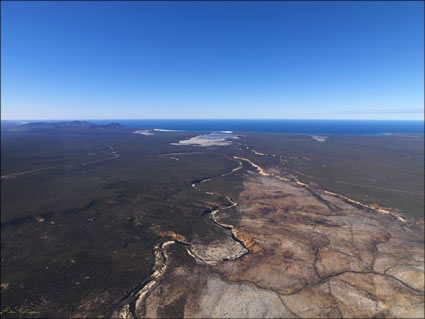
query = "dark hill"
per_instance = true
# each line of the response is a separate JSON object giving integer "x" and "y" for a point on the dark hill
{"x": 73, "y": 127}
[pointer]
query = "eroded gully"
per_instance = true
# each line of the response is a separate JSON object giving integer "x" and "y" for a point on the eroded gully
{"x": 127, "y": 310}
{"x": 137, "y": 296}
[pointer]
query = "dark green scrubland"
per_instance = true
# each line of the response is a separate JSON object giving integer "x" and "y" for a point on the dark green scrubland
{"x": 387, "y": 170}
{"x": 78, "y": 238}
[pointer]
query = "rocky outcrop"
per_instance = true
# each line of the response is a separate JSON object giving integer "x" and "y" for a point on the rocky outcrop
{"x": 199, "y": 293}
{"x": 311, "y": 254}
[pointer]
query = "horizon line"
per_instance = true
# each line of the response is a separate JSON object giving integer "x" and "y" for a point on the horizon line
{"x": 208, "y": 119}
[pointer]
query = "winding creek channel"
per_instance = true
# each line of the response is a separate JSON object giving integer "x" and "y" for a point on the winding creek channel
{"x": 234, "y": 247}
{"x": 136, "y": 298}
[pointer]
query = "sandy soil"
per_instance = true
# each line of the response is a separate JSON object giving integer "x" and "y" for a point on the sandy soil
{"x": 205, "y": 142}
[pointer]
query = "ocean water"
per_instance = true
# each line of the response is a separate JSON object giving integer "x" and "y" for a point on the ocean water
{"x": 279, "y": 126}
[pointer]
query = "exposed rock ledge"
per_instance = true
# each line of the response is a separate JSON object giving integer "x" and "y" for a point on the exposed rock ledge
{"x": 315, "y": 256}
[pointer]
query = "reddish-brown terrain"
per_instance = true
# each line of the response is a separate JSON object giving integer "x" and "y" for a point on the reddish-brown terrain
{"x": 311, "y": 254}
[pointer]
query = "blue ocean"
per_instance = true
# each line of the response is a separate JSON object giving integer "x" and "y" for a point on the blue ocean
{"x": 279, "y": 126}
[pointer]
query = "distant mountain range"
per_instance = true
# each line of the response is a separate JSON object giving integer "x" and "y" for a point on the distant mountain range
{"x": 82, "y": 127}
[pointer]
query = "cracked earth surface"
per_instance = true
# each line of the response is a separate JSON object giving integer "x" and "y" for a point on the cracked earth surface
{"x": 311, "y": 254}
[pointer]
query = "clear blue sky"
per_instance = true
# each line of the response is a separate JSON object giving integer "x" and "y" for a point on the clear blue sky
{"x": 124, "y": 60}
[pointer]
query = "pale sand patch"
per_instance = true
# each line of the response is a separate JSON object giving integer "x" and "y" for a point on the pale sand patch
{"x": 318, "y": 138}
{"x": 143, "y": 132}
{"x": 204, "y": 141}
